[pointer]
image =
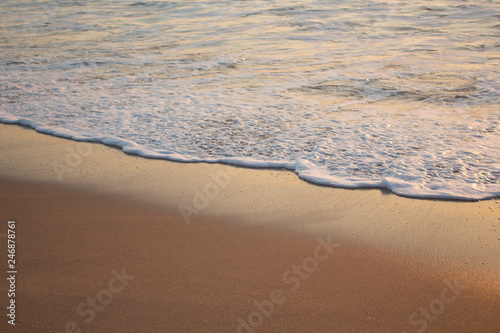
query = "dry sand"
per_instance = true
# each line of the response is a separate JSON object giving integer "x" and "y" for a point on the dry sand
{"x": 87, "y": 214}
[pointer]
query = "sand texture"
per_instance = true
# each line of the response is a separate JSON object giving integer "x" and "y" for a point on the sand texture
{"x": 109, "y": 242}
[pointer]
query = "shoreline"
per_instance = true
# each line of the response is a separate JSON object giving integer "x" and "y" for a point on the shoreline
{"x": 210, "y": 243}
{"x": 131, "y": 148}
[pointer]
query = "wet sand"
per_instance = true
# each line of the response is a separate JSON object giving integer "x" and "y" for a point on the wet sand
{"x": 118, "y": 243}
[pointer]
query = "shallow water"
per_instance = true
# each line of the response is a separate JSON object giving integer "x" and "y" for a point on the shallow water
{"x": 390, "y": 94}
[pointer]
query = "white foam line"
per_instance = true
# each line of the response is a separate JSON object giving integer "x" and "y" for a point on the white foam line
{"x": 302, "y": 168}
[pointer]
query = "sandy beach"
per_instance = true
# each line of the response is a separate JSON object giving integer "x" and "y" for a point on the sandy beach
{"x": 110, "y": 242}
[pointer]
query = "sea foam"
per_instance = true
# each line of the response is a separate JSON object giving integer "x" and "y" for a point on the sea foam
{"x": 344, "y": 94}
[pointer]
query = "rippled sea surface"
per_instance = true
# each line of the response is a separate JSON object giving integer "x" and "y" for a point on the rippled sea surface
{"x": 403, "y": 95}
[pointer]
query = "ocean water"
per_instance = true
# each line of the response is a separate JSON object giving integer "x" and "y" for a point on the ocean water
{"x": 403, "y": 95}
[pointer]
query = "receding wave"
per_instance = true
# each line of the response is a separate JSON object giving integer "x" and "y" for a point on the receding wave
{"x": 403, "y": 96}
